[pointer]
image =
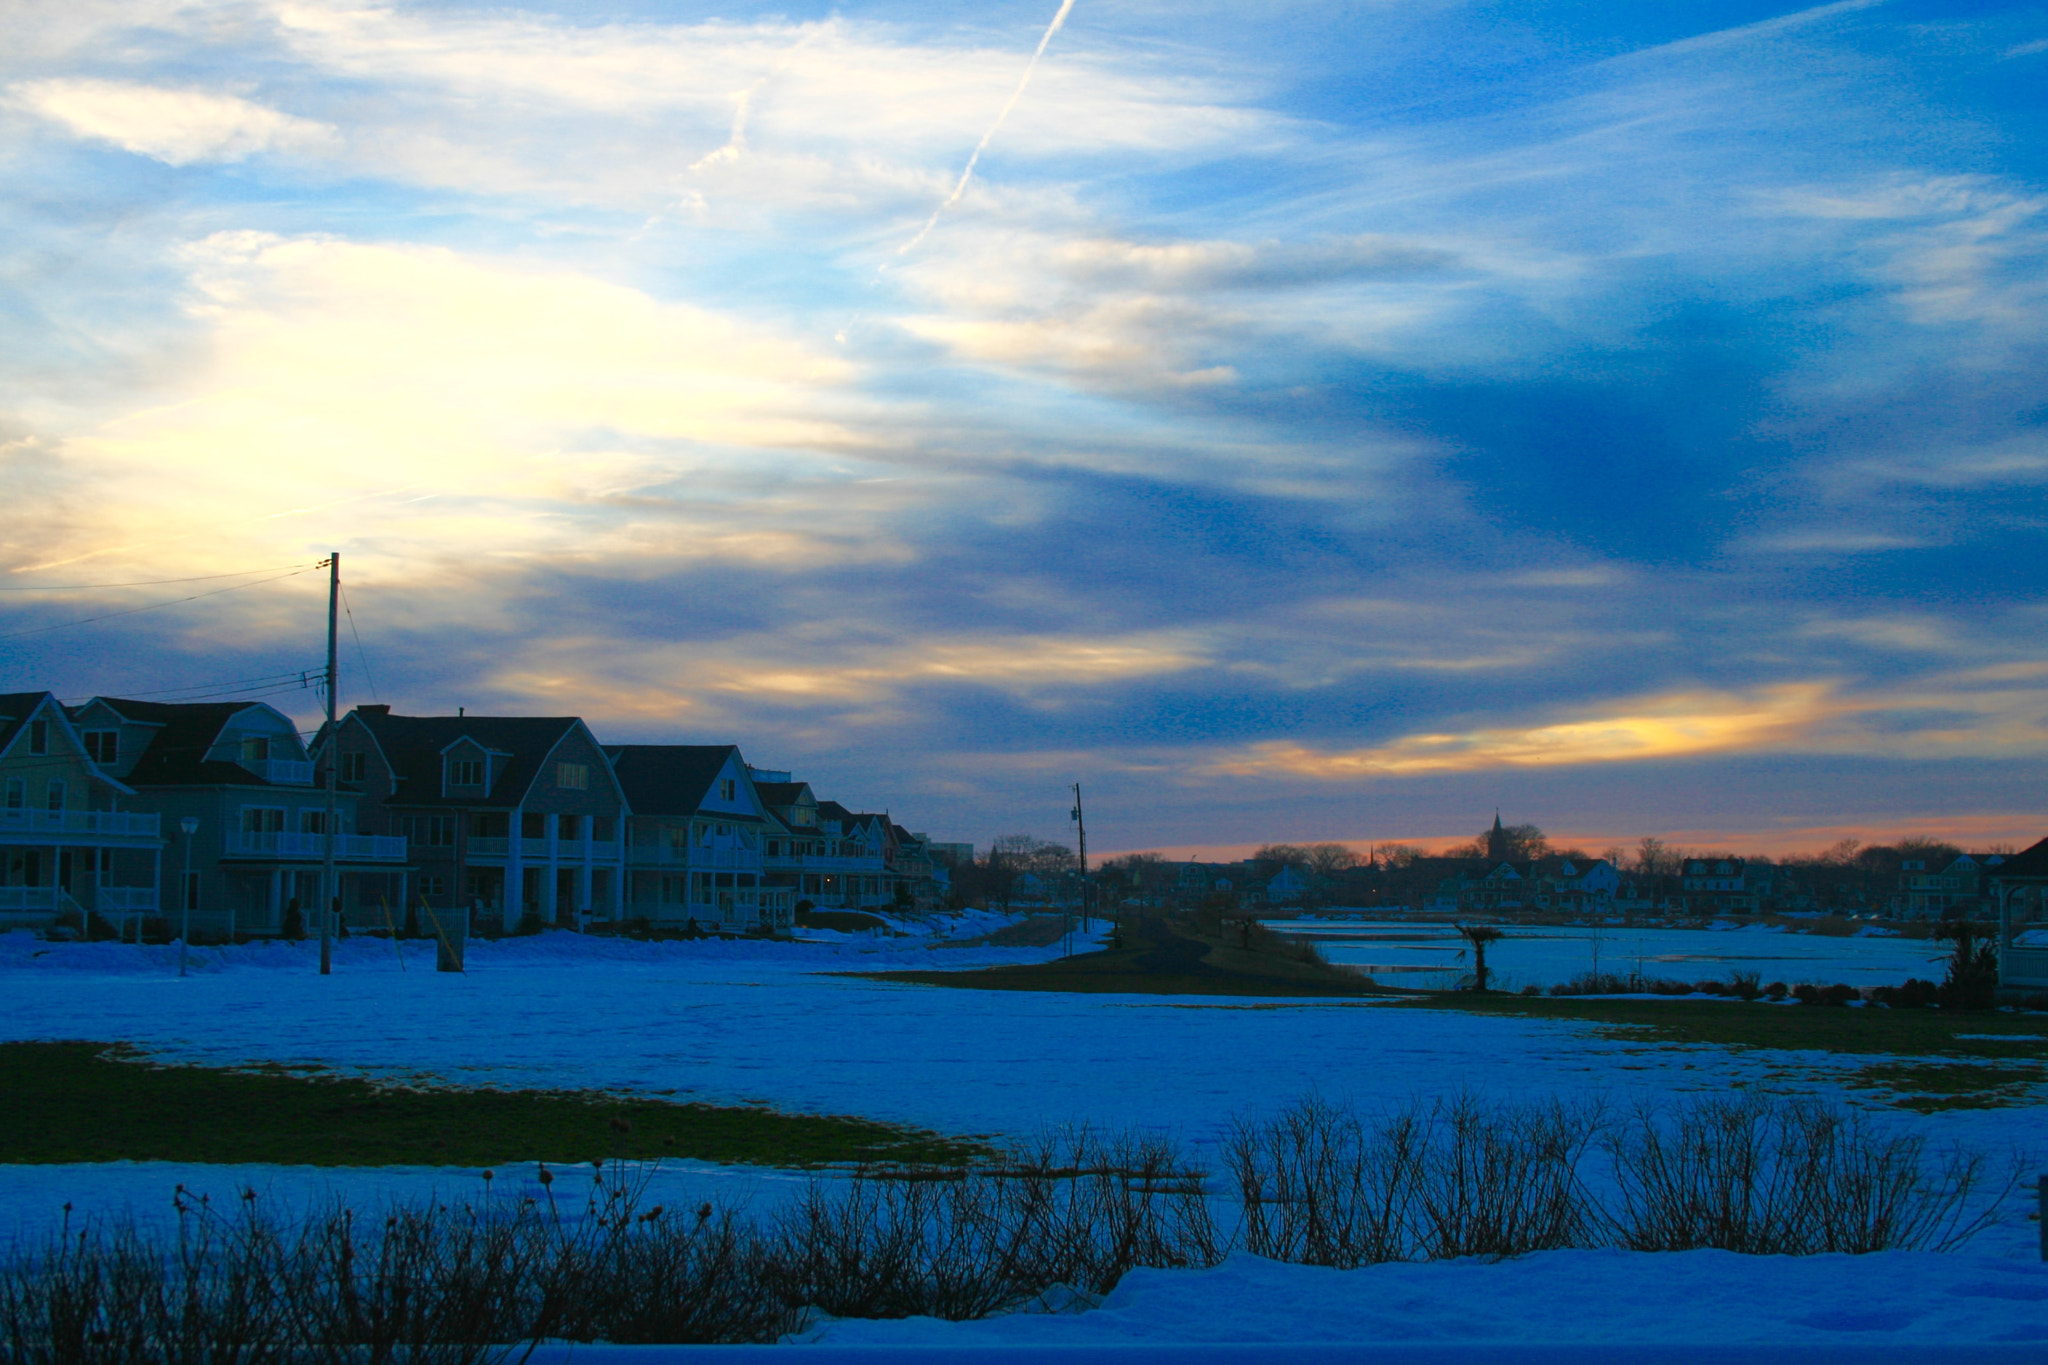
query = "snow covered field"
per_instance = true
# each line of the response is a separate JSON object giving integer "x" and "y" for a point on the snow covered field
{"x": 768, "y": 1023}
{"x": 1409, "y": 954}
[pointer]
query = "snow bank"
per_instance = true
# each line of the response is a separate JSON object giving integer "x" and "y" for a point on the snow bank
{"x": 1558, "y": 1297}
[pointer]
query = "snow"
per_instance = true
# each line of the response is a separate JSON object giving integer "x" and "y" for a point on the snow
{"x": 1553, "y": 1296}
{"x": 778, "y": 1023}
{"x": 1411, "y": 954}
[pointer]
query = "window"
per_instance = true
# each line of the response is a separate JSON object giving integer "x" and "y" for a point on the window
{"x": 255, "y": 748}
{"x": 466, "y": 772}
{"x": 312, "y": 820}
{"x": 481, "y": 886}
{"x": 17, "y": 793}
{"x": 39, "y": 736}
{"x": 703, "y": 836}
{"x": 728, "y": 789}
{"x": 55, "y": 794}
{"x": 434, "y": 886}
{"x": 671, "y": 889}
{"x": 573, "y": 776}
{"x": 354, "y": 766}
{"x": 433, "y": 831}
{"x": 262, "y": 819}
{"x": 103, "y": 746}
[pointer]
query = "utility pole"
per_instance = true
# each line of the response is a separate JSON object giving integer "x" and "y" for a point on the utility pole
{"x": 1081, "y": 828}
{"x": 330, "y": 888}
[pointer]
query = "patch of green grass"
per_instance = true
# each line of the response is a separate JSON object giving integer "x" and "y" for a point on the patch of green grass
{"x": 1816, "y": 1028}
{"x": 1929, "y": 1086}
{"x": 103, "y": 1102}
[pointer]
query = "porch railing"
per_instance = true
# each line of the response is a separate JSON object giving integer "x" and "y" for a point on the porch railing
{"x": 27, "y": 820}
{"x": 289, "y": 844}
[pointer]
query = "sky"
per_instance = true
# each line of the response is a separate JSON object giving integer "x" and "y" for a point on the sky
{"x": 1290, "y": 421}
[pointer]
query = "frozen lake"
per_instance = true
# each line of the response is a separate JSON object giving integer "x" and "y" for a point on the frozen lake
{"x": 1542, "y": 955}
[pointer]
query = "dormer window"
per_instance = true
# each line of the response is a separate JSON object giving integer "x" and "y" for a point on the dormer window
{"x": 103, "y": 746}
{"x": 572, "y": 776}
{"x": 255, "y": 748}
{"x": 465, "y": 772}
{"x": 354, "y": 767}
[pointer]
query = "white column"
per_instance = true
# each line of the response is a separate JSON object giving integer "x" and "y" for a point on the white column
{"x": 515, "y": 866}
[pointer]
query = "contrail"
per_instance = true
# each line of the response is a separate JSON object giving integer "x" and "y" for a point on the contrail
{"x": 982, "y": 146}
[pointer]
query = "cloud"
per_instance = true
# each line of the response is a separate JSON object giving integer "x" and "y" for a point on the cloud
{"x": 177, "y": 127}
{"x": 1681, "y": 725}
{"x": 351, "y": 380}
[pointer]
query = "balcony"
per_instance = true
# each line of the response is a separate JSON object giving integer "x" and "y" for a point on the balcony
{"x": 706, "y": 859}
{"x": 109, "y": 823}
{"x": 285, "y": 844}
{"x": 825, "y": 862}
{"x": 531, "y": 851}
{"x": 282, "y": 772}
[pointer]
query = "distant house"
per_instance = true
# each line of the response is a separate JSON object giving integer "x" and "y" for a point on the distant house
{"x": 506, "y": 814}
{"x": 1287, "y": 886}
{"x": 699, "y": 835}
{"x": 241, "y": 770}
{"x": 1716, "y": 886}
{"x": 1957, "y": 886}
{"x": 71, "y": 841}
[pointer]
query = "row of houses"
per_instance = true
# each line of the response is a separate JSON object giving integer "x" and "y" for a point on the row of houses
{"x": 128, "y": 809}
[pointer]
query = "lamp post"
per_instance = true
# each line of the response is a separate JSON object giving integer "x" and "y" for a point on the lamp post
{"x": 190, "y": 824}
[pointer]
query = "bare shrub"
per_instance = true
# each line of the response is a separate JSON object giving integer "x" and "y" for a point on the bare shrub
{"x": 1787, "y": 1177}
{"x": 1320, "y": 1187}
{"x": 1503, "y": 1180}
{"x": 1074, "y": 1209}
{"x": 1446, "y": 1177}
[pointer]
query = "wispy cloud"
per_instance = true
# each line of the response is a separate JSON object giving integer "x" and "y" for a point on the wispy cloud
{"x": 177, "y": 127}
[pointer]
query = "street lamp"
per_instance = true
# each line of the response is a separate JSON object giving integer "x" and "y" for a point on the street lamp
{"x": 190, "y": 824}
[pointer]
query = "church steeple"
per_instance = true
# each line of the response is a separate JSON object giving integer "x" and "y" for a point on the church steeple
{"x": 1496, "y": 840}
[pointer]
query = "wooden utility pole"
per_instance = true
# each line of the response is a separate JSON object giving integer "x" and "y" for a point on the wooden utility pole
{"x": 1081, "y": 829}
{"x": 330, "y": 887}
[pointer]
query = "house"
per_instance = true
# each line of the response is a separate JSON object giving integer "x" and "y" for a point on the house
{"x": 1287, "y": 886}
{"x": 858, "y": 876}
{"x": 1958, "y": 886}
{"x": 241, "y": 771}
{"x": 511, "y": 816}
{"x": 70, "y": 841}
{"x": 2019, "y": 886}
{"x": 1716, "y": 886}
{"x": 698, "y": 835}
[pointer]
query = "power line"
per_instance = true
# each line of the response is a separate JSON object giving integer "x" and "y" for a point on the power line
{"x": 154, "y": 582}
{"x": 153, "y": 606}
{"x": 226, "y": 684}
{"x": 367, "y": 675}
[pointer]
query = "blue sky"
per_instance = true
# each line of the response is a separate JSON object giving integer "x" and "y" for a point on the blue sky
{"x": 1308, "y": 422}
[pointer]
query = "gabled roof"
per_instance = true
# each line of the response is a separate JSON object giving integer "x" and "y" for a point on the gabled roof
{"x": 671, "y": 779}
{"x": 782, "y": 793}
{"x": 413, "y": 746}
{"x": 175, "y": 755}
{"x": 2027, "y": 863}
{"x": 15, "y": 709}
